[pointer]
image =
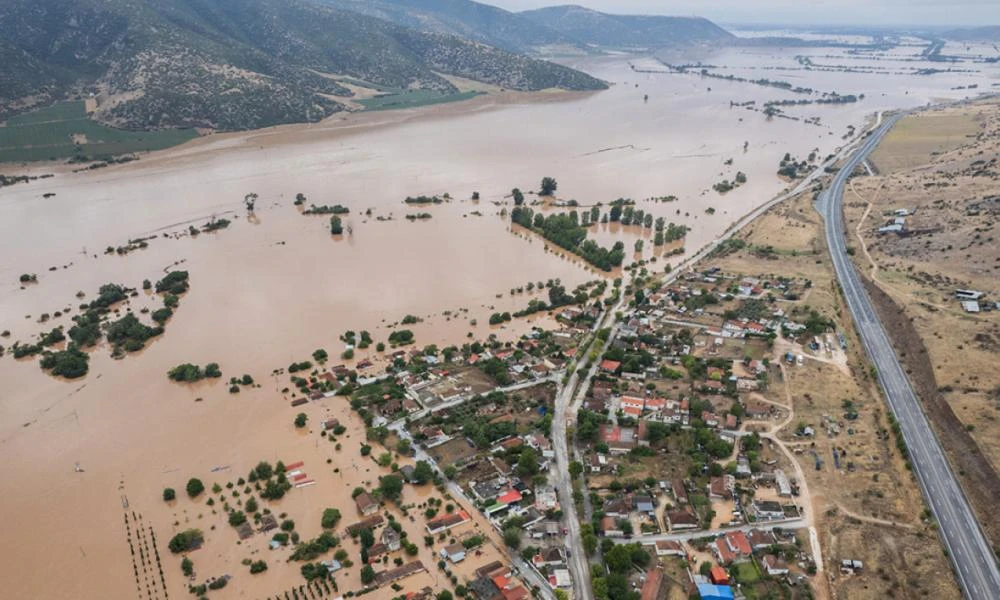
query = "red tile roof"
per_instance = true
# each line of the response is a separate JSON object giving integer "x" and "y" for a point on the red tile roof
{"x": 739, "y": 543}
{"x": 718, "y": 575}
{"x": 610, "y": 365}
{"x": 509, "y": 497}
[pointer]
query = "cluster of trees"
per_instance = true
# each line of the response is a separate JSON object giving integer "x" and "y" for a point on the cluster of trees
{"x": 667, "y": 233}
{"x": 496, "y": 370}
{"x": 401, "y": 337}
{"x": 725, "y": 185}
{"x": 215, "y": 225}
{"x": 186, "y": 540}
{"x": 175, "y": 282}
{"x": 70, "y": 363}
{"x": 128, "y": 334}
{"x": 610, "y": 581}
{"x": 188, "y": 372}
{"x": 565, "y": 231}
{"x": 336, "y": 225}
{"x": 336, "y": 209}
{"x": 423, "y": 200}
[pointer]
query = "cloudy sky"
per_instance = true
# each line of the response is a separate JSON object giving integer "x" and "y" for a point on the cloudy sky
{"x": 840, "y": 12}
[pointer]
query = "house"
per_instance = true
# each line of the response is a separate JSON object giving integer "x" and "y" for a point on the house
{"x": 394, "y": 575}
{"x": 620, "y": 439}
{"x": 493, "y": 569}
{"x": 560, "y": 578}
{"x": 681, "y": 519}
{"x": 680, "y": 492}
{"x": 610, "y": 528}
{"x": 781, "y": 483}
{"x": 370, "y": 523}
{"x": 545, "y": 529}
{"x": 709, "y": 591}
{"x": 446, "y": 522}
{"x": 434, "y": 436}
{"x": 245, "y": 530}
{"x": 542, "y": 444}
{"x": 407, "y": 472}
{"x": 454, "y": 552}
{"x": 597, "y": 462}
{"x": 774, "y": 566}
{"x": 633, "y": 402}
{"x": 643, "y": 504}
{"x": 509, "y": 497}
{"x": 721, "y": 488}
{"x": 760, "y": 539}
{"x": 670, "y": 548}
{"x": 488, "y": 490}
{"x": 268, "y": 523}
{"x": 376, "y": 552}
{"x": 483, "y": 588}
{"x": 391, "y": 538}
{"x": 743, "y": 466}
{"x": 631, "y": 411}
{"x": 618, "y": 508}
{"x": 718, "y": 575}
{"x": 738, "y": 544}
{"x": 722, "y": 552}
{"x": 424, "y": 594}
{"x": 549, "y": 557}
{"x": 655, "y": 587}
{"x": 731, "y": 422}
{"x": 610, "y": 366}
{"x": 365, "y": 504}
{"x": 546, "y": 498}
{"x": 767, "y": 510}
{"x": 331, "y": 424}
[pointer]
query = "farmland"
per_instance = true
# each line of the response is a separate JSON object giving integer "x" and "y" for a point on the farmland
{"x": 64, "y": 130}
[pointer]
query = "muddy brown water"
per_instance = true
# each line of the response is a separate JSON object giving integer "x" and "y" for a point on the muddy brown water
{"x": 268, "y": 291}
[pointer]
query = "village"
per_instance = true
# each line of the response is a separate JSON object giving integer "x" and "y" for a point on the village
{"x": 681, "y": 454}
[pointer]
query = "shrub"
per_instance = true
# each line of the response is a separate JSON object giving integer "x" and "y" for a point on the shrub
{"x": 194, "y": 487}
{"x": 169, "y": 494}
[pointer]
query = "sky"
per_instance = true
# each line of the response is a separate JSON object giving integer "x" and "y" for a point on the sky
{"x": 801, "y": 12}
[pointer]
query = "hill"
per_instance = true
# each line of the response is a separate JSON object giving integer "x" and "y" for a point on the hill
{"x": 234, "y": 64}
{"x": 974, "y": 34}
{"x": 464, "y": 18}
{"x": 594, "y": 28}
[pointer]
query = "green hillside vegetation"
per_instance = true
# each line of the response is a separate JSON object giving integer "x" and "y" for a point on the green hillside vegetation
{"x": 47, "y": 134}
{"x": 414, "y": 99}
{"x": 233, "y": 64}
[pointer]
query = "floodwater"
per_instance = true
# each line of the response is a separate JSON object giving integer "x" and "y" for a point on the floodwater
{"x": 270, "y": 290}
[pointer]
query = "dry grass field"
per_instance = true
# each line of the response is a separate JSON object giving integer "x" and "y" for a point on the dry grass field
{"x": 951, "y": 244}
{"x": 915, "y": 139}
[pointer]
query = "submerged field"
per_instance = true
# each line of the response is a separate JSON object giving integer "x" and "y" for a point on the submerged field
{"x": 64, "y": 130}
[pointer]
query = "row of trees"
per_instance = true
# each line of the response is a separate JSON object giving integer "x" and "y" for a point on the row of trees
{"x": 565, "y": 231}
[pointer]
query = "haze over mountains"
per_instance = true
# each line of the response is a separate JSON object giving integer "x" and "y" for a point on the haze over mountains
{"x": 530, "y": 31}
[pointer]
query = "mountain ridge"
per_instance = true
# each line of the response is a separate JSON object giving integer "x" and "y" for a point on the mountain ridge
{"x": 593, "y": 28}
{"x": 234, "y": 64}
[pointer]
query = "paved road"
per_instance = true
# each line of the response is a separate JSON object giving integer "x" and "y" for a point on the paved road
{"x": 970, "y": 552}
{"x": 562, "y": 415}
{"x": 686, "y": 536}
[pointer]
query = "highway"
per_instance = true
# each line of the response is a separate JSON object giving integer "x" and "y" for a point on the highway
{"x": 970, "y": 552}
